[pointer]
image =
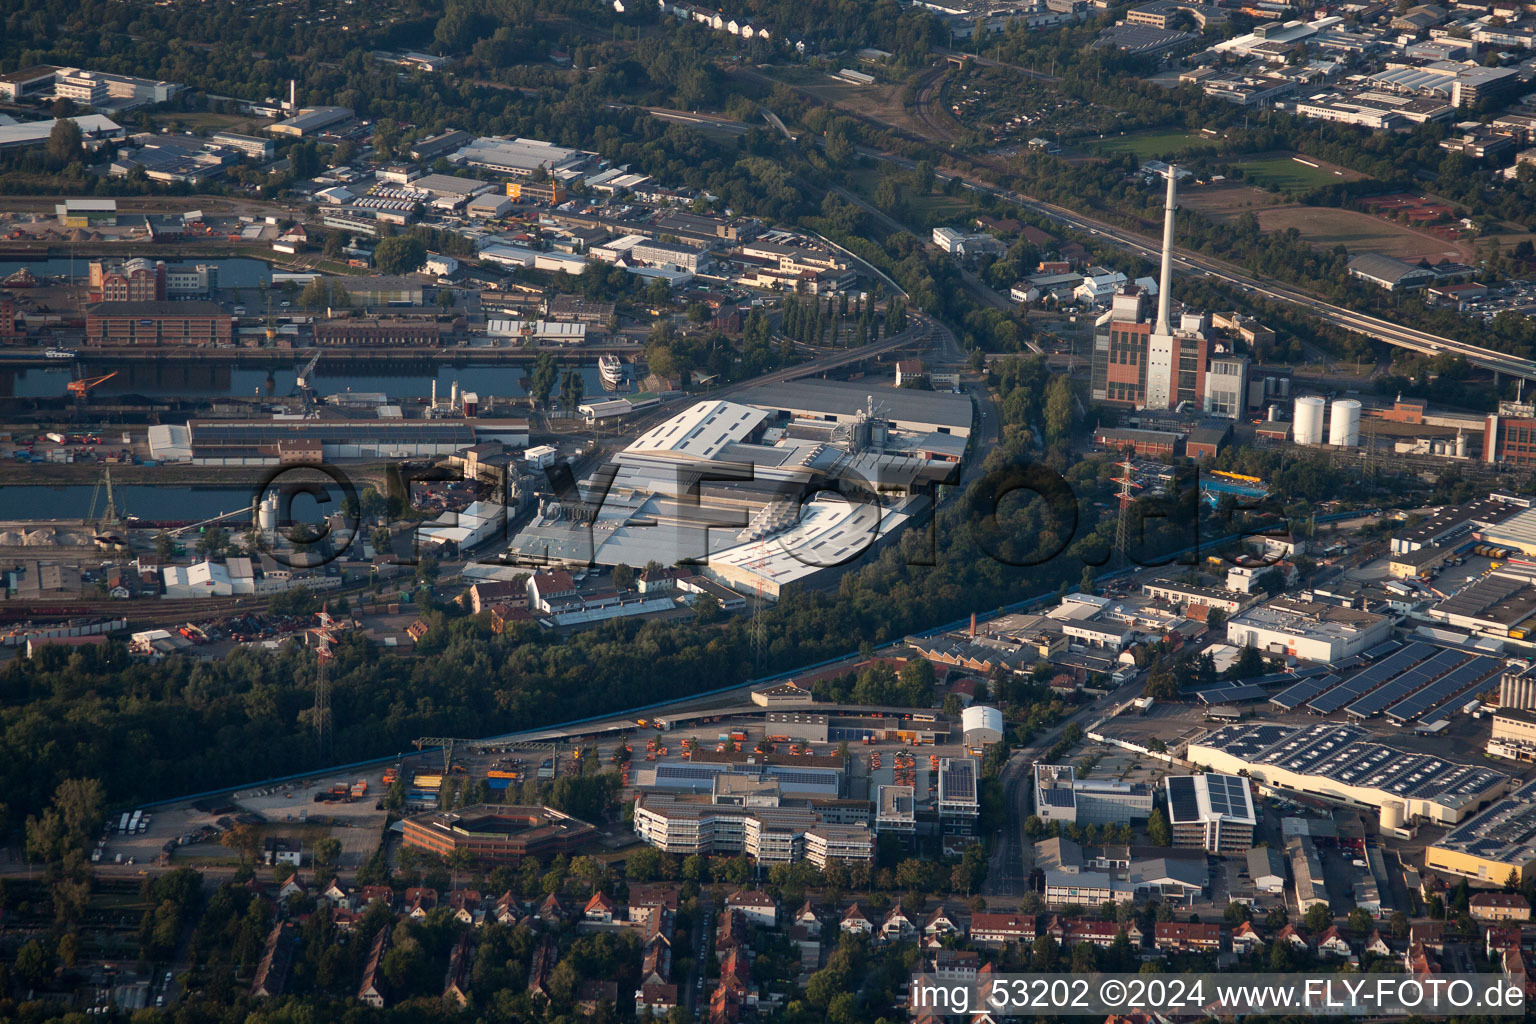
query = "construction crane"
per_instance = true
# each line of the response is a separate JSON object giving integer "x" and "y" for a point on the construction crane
{"x": 304, "y": 383}
{"x": 446, "y": 742}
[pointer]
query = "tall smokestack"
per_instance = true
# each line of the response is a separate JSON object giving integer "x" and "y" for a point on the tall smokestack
{"x": 293, "y": 93}
{"x": 1170, "y": 207}
{"x": 973, "y": 623}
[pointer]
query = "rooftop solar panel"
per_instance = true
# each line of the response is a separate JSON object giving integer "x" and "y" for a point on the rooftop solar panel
{"x": 1233, "y": 693}
{"x": 1415, "y": 678}
{"x": 1295, "y": 696}
{"x": 1367, "y": 680}
{"x": 1182, "y": 802}
{"x": 1467, "y": 677}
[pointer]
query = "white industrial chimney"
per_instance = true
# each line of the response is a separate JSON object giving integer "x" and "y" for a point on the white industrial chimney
{"x": 1165, "y": 280}
{"x": 293, "y": 94}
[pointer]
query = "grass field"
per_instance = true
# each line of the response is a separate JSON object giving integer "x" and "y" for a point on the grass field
{"x": 1226, "y": 201}
{"x": 1280, "y": 170}
{"x": 1326, "y": 227}
{"x": 1152, "y": 144}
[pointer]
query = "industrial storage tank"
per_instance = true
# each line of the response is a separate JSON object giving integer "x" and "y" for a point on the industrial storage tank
{"x": 1461, "y": 446}
{"x": 1344, "y": 428}
{"x": 1391, "y": 815}
{"x": 982, "y": 725}
{"x": 1308, "y": 417}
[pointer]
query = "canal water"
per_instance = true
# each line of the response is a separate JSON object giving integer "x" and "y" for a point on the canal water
{"x": 183, "y": 504}
{"x": 400, "y": 380}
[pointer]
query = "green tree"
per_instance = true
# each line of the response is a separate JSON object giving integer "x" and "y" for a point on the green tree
{"x": 1318, "y": 918}
{"x": 571, "y": 390}
{"x": 402, "y": 254}
{"x": 64, "y": 142}
{"x": 542, "y": 380}
{"x": 1158, "y": 832}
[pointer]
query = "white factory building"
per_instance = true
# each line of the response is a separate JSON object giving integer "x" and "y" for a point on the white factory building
{"x": 1308, "y": 630}
{"x": 718, "y": 485}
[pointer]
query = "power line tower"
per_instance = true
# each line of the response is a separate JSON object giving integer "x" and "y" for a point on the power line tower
{"x": 759, "y": 625}
{"x": 324, "y": 638}
{"x": 1126, "y": 480}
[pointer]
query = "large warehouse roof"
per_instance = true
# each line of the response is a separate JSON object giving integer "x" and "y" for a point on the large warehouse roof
{"x": 905, "y": 407}
{"x": 701, "y": 431}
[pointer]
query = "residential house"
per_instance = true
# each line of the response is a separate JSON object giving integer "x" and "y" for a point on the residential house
{"x": 756, "y": 906}
{"x": 1429, "y": 934}
{"x": 1186, "y": 937}
{"x": 1293, "y": 938}
{"x": 276, "y": 960}
{"x": 541, "y": 966}
{"x": 1499, "y": 906}
{"x": 955, "y": 964}
{"x": 1000, "y": 929}
{"x": 1333, "y": 945}
{"x": 466, "y": 906}
{"x": 371, "y": 991}
{"x": 508, "y": 909}
{"x": 553, "y": 910}
{"x": 1246, "y": 940}
{"x": 897, "y": 926}
{"x": 377, "y": 894}
{"x": 731, "y": 931}
{"x": 292, "y": 886}
{"x": 856, "y": 922}
{"x": 941, "y": 923}
{"x": 807, "y": 918}
{"x": 460, "y": 962}
{"x": 337, "y": 895}
{"x": 1377, "y": 946}
{"x": 1073, "y": 931}
{"x": 1500, "y": 938}
{"x": 599, "y": 909}
{"x": 655, "y": 1000}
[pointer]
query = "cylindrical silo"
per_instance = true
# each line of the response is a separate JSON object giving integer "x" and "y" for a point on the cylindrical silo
{"x": 1344, "y": 429}
{"x": 1391, "y": 814}
{"x": 1285, "y": 387}
{"x": 1308, "y": 417}
{"x": 1461, "y": 446}
{"x": 1274, "y": 414}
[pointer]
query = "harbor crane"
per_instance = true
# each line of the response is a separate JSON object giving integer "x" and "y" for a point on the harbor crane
{"x": 304, "y": 383}
{"x": 82, "y": 386}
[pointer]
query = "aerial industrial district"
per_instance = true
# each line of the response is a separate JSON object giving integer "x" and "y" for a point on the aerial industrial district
{"x": 1305, "y": 747}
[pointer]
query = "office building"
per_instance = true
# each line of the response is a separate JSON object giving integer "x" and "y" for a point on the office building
{"x": 497, "y": 833}
{"x": 827, "y": 843}
{"x": 1061, "y": 796}
{"x": 93, "y": 127}
{"x": 249, "y": 145}
{"x": 28, "y": 83}
{"x": 1212, "y": 812}
{"x": 959, "y": 804}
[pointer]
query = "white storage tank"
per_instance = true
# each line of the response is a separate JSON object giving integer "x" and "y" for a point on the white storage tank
{"x": 1461, "y": 446}
{"x": 1308, "y": 417}
{"x": 1391, "y": 815}
{"x": 1344, "y": 428}
{"x": 982, "y": 725}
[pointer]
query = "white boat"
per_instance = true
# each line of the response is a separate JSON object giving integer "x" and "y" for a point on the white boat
{"x": 60, "y": 353}
{"x": 611, "y": 370}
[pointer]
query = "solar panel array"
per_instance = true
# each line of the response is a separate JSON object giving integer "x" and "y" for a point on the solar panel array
{"x": 959, "y": 780}
{"x": 1232, "y": 693}
{"x": 1383, "y": 697}
{"x": 1295, "y": 696}
{"x": 1468, "y": 676}
{"x": 1227, "y": 794}
{"x": 1383, "y": 649}
{"x": 1367, "y": 680}
{"x": 1183, "y": 805}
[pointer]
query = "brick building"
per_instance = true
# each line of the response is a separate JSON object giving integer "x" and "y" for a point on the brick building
{"x": 157, "y": 323}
